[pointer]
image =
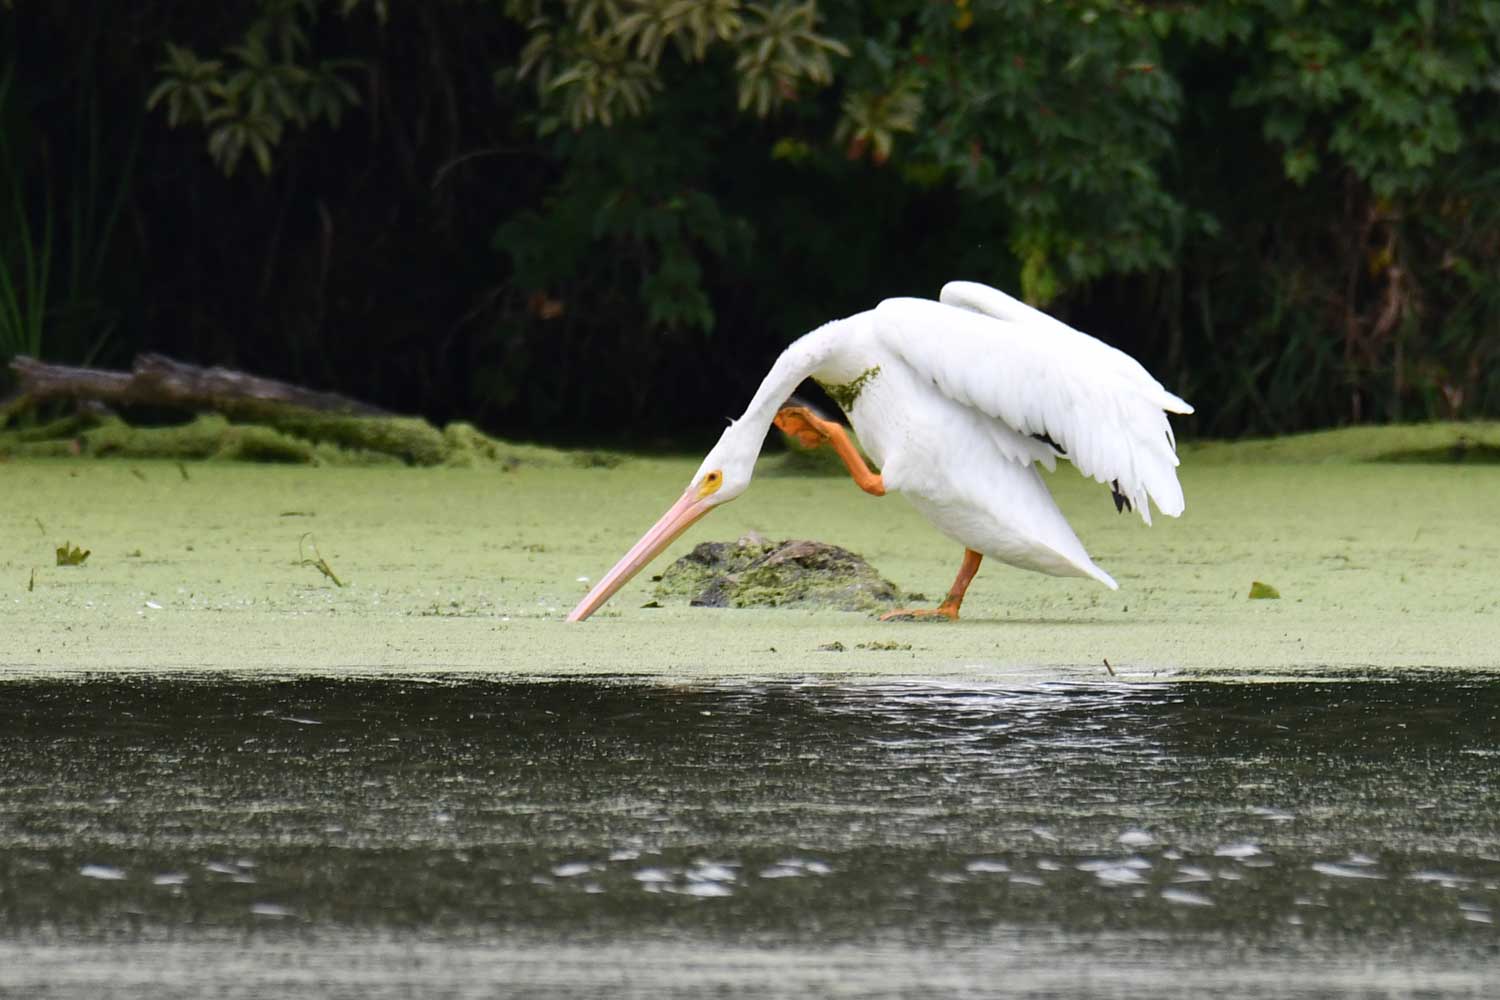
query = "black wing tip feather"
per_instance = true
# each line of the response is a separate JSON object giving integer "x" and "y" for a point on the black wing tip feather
{"x": 1046, "y": 439}
{"x": 1122, "y": 502}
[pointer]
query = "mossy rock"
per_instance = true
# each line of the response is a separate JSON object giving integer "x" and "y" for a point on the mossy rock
{"x": 754, "y": 573}
{"x": 297, "y": 437}
{"x": 411, "y": 439}
{"x": 206, "y": 437}
{"x": 466, "y": 445}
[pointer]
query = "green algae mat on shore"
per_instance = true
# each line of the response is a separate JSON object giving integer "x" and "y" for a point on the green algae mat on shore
{"x": 213, "y": 566}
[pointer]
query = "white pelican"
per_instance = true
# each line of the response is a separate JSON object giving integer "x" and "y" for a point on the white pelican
{"x": 957, "y": 401}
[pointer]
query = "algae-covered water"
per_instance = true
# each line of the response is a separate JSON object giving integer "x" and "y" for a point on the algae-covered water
{"x": 1377, "y": 565}
{"x": 223, "y": 775}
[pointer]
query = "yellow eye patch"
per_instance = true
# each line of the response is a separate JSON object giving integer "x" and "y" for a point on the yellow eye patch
{"x": 710, "y": 484}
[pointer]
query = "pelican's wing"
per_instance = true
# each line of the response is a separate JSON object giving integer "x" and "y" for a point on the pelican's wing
{"x": 1043, "y": 378}
{"x": 983, "y": 299}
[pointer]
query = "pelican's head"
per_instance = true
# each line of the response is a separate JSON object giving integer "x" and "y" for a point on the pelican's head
{"x": 724, "y": 475}
{"x": 726, "y": 470}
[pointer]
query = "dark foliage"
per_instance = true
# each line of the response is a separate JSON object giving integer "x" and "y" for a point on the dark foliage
{"x": 595, "y": 219}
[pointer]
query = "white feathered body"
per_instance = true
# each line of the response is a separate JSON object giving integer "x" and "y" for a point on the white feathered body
{"x": 952, "y": 401}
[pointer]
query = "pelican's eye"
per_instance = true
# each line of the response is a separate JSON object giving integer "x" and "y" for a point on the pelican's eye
{"x": 711, "y": 483}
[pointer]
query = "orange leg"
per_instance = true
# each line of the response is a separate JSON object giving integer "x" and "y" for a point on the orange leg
{"x": 812, "y": 430}
{"x": 949, "y": 608}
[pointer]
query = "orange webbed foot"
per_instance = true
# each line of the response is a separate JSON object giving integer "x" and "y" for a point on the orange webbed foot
{"x": 812, "y": 430}
{"x": 948, "y": 610}
{"x": 802, "y": 424}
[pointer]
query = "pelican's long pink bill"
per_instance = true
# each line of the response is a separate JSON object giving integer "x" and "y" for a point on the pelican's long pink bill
{"x": 664, "y": 532}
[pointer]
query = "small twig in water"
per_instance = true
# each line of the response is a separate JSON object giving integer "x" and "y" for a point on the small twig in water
{"x": 319, "y": 563}
{"x": 1108, "y": 667}
{"x": 31, "y": 584}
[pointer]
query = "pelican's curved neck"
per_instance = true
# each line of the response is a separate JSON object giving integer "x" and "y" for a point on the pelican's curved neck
{"x": 802, "y": 359}
{"x": 741, "y": 441}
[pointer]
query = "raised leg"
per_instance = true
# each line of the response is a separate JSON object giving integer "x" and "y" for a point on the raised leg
{"x": 812, "y": 430}
{"x": 949, "y": 608}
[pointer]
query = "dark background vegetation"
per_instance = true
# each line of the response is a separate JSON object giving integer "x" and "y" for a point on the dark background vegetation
{"x": 602, "y": 219}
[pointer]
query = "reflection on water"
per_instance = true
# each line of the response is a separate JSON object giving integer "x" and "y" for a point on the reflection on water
{"x": 1310, "y": 827}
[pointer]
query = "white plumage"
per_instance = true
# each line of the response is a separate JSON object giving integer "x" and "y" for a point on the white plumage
{"x": 1035, "y": 375}
{"x": 957, "y": 402}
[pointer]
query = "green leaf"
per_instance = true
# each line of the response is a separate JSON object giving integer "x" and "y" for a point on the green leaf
{"x": 1299, "y": 164}
{"x": 69, "y": 554}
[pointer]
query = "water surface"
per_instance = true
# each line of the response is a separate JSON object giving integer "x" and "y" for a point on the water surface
{"x": 172, "y": 836}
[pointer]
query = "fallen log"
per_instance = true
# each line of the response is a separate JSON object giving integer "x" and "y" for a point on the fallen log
{"x": 240, "y": 416}
{"x": 156, "y": 380}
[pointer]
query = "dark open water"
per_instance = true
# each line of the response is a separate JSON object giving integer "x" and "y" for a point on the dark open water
{"x": 173, "y": 837}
